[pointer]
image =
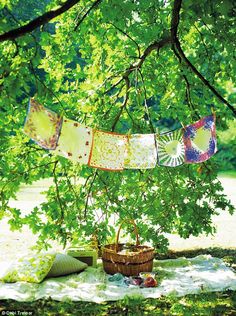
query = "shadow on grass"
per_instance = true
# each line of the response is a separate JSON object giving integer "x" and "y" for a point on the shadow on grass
{"x": 225, "y": 254}
{"x": 209, "y": 304}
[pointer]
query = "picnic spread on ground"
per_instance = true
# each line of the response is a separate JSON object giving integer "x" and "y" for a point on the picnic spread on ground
{"x": 125, "y": 270}
{"x": 177, "y": 277}
{"x": 106, "y": 150}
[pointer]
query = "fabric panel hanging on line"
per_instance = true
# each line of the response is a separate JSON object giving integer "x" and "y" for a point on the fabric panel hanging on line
{"x": 200, "y": 140}
{"x": 75, "y": 141}
{"x": 42, "y": 125}
{"x": 194, "y": 143}
{"x": 170, "y": 148}
{"x": 108, "y": 151}
{"x": 141, "y": 152}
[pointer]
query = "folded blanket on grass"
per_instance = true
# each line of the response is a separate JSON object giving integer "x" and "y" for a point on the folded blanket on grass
{"x": 175, "y": 277}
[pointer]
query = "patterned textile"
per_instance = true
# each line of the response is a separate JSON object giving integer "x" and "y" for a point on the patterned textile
{"x": 33, "y": 268}
{"x": 200, "y": 140}
{"x": 171, "y": 148}
{"x": 42, "y": 125}
{"x": 75, "y": 141}
{"x": 141, "y": 152}
{"x": 108, "y": 151}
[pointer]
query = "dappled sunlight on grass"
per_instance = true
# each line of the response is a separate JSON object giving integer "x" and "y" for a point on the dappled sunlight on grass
{"x": 215, "y": 304}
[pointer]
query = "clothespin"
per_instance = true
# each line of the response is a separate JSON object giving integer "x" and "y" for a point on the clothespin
{"x": 156, "y": 138}
{"x": 213, "y": 111}
{"x": 182, "y": 125}
{"x": 128, "y": 134}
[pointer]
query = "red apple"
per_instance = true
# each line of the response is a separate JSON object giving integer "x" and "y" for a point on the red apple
{"x": 150, "y": 282}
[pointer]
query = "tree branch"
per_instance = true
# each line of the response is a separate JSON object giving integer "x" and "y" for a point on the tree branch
{"x": 175, "y": 20}
{"x": 31, "y": 67}
{"x": 176, "y": 43}
{"x": 202, "y": 39}
{"x": 145, "y": 103}
{"x": 58, "y": 198}
{"x": 114, "y": 85}
{"x": 157, "y": 45}
{"x": 93, "y": 6}
{"x": 188, "y": 97}
{"x": 115, "y": 97}
{"x": 126, "y": 98}
{"x": 15, "y": 176}
{"x": 132, "y": 120}
{"x": 39, "y": 21}
{"x": 89, "y": 193}
{"x": 127, "y": 35}
{"x": 188, "y": 90}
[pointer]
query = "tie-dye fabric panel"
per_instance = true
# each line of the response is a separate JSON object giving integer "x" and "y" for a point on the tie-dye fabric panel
{"x": 200, "y": 140}
{"x": 42, "y": 125}
{"x": 171, "y": 148}
{"x": 141, "y": 152}
{"x": 108, "y": 151}
{"x": 75, "y": 141}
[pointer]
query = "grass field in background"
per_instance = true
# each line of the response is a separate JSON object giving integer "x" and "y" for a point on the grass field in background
{"x": 229, "y": 174}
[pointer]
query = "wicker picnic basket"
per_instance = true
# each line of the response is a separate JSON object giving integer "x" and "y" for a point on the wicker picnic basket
{"x": 139, "y": 260}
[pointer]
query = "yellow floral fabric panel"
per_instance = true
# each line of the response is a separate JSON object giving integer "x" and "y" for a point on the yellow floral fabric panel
{"x": 141, "y": 152}
{"x": 75, "y": 141}
{"x": 108, "y": 151}
{"x": 42, "y": 125}
{"x": 31, "y": 269}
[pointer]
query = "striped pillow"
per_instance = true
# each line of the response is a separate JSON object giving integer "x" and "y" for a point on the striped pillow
{"x": 64, "y": 265}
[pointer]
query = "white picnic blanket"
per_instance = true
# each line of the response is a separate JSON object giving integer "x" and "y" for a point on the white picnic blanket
{"x": 175, "y": 277}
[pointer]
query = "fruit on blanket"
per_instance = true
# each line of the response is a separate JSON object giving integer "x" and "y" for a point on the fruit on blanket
{"x": 136, "y": 280}
{"x": 150, "y": 282}
{"x": 145, "y": 275}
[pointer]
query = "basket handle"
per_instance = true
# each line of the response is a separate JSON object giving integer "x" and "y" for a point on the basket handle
{"x": 135, "y": 230}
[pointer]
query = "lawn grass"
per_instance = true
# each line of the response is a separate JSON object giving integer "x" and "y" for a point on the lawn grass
{"x": 217, "y": 304}
{"x": 227, "y": 174}
{"x": 210, "y": 304}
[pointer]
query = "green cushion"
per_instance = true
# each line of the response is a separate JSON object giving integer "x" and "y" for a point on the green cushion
{"x": 64, "y": 265}
{"x": 32, "y": 268}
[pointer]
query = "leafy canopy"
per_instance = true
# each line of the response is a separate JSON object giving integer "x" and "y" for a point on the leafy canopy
{"x": 122, "y": 66}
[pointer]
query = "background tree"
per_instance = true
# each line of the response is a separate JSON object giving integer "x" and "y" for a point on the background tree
{"x": 125, "y": 66}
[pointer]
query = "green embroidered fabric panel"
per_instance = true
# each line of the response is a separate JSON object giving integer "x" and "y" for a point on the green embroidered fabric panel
{"x": 171, "y": 148}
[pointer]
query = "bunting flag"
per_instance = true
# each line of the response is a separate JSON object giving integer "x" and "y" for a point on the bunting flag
{"x": 75, "y": 141}
{"x": 108, "y": 151}
{"x": 171, "y": 148}
{"x": 194, "y": 143}
{"x": 42, "y": 125}
{"x": 200, "y": 140}
{"x": 141, "y": 152}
